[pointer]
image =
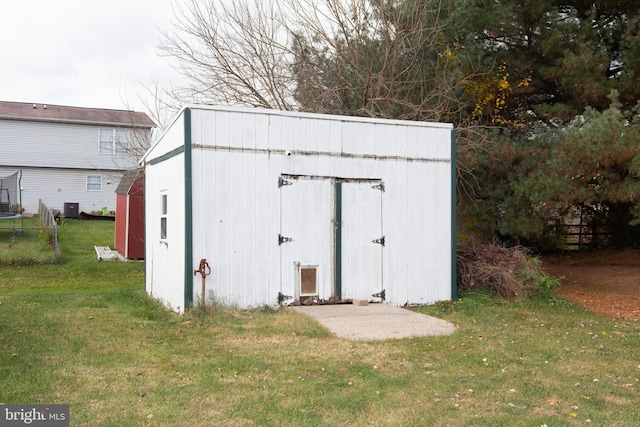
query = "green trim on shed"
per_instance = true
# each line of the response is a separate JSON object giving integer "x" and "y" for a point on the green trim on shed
{"x": 454, "y": 239}
{"x": 338, "y": 240}
{"x": 188, "y": 214}
{"x": 167, "y": 156}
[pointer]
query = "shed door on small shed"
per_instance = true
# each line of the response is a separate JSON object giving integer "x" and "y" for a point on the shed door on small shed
{"x": 306, "y": 237}
{"x": 361, "y": 240}
{"x": 327, "y": 238}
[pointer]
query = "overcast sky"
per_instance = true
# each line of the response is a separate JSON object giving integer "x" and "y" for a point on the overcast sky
{"x": 85, "y": 53}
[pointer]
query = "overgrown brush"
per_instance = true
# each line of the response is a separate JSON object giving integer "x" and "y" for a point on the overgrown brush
{"x": 507, "y": 272}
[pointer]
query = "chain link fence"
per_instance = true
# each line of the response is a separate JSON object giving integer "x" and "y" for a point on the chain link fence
{"x": 25, "y": 241}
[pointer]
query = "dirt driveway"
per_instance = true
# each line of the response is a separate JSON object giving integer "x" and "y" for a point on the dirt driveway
{"x": 606, "y": 282}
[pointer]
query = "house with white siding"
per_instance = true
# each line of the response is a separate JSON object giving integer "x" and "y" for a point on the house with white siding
{"x": 69, "y": 156}
{"x": 254, "y": 208}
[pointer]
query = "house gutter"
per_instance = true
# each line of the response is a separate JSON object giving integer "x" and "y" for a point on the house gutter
{"x": 188, "y": 213}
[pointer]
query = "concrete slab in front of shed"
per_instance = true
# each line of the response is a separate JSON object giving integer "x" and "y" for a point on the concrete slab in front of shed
{"x": 375, "y": 321}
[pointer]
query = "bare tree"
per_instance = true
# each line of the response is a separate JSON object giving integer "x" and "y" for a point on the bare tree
{"x": 378, "y": 59}
{"x": 233, "y": 52}
{"x": 363, "y": 57}
{"x": 374, "y": 58}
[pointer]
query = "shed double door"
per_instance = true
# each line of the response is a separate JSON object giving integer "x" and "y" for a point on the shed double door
{"x": 331, "y": 244}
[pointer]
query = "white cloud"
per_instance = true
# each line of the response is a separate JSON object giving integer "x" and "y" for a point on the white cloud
{"x": 82, "y": 52}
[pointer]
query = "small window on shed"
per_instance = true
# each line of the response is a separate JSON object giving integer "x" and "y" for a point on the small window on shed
{"x": 163, "y": 218}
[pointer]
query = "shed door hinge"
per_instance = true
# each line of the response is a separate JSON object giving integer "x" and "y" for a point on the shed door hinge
{"x": 378, "y": 187}
{"x": 379, "y": 241}
{"x": 282, "y": 239}
{"x": 380, "y": 295}
{"x": 282, "y": 298}
{"x": 282, "y": 182}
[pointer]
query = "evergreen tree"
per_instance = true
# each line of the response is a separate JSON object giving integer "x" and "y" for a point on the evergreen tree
{"x": 573, "y": 51}
{"x": 591, "y": 167}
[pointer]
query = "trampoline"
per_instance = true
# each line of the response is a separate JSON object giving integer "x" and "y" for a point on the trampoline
{"x": 11, "y": 196}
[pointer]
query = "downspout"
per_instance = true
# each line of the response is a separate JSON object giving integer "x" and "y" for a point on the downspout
{"x": 454, "y": 240}
{"x": 188, "y": 214}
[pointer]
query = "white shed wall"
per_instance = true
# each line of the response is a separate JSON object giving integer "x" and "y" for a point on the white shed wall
{"x": 238, "y": 156}
{"x": 165, "y": 259}
{"x": 165, "y": 265}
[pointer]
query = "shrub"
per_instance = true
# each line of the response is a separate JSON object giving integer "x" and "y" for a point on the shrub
{"x": 507, "y": 272}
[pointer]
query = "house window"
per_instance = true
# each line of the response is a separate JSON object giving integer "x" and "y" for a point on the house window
{"x": 163, "y": 218}
{"x": 114, "y": 141}
{"x": 94, "y": 183}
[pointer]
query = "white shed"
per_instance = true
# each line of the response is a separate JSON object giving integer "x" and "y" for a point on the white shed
{"x": 287, "y": 207}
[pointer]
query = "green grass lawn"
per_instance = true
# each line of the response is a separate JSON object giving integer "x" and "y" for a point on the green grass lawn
{"x": 83, "y": 332}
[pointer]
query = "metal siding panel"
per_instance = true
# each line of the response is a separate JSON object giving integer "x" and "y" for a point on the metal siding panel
{"x": 277, "y": 139}
{"x": 248, "y": 131}
{"x": 264, "y": 195}
{"x": 412, "y": 143}
{"x": 348, "y": 137}
{"x": 299, "y": 164}
{"x": 335, "y": 146}
{"x": 261, "y": 123}
{"x": 362, "y": 137}
{"x": 299, "y": 127}
{"x": 415, "y": 261}
{"x": 443, "y": 138}
{"x": 235, "y": 228}
{"x": 233, "y": 129}
{"x": 221, "y": 192}
{"x": 429, "y": 246}
{"x": 312, "y": 137}
{"x": 358, "y": 163}
{"x": 444, "y": 231}
{"x": 235, "y": 290}
{"x": 197, "y": 124}
{"x": 323, "y": 132}
{"x": 404, "y": 189}
{"x": 250, "y": 212}
{"x": 164, "y": 270}
{"x": 402, "y": 148}
{"x": 346, "y": 162}
{"x": 287, "y": 135}
{"x": 206, "y": 134}
{"x": 427, "y": 146}
{"x": 414, "y": 232}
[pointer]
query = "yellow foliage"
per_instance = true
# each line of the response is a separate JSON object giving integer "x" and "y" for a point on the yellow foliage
{"x": 491, "y": 96}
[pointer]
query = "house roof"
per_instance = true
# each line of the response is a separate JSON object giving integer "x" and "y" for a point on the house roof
{"x": 61, "y": 113}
